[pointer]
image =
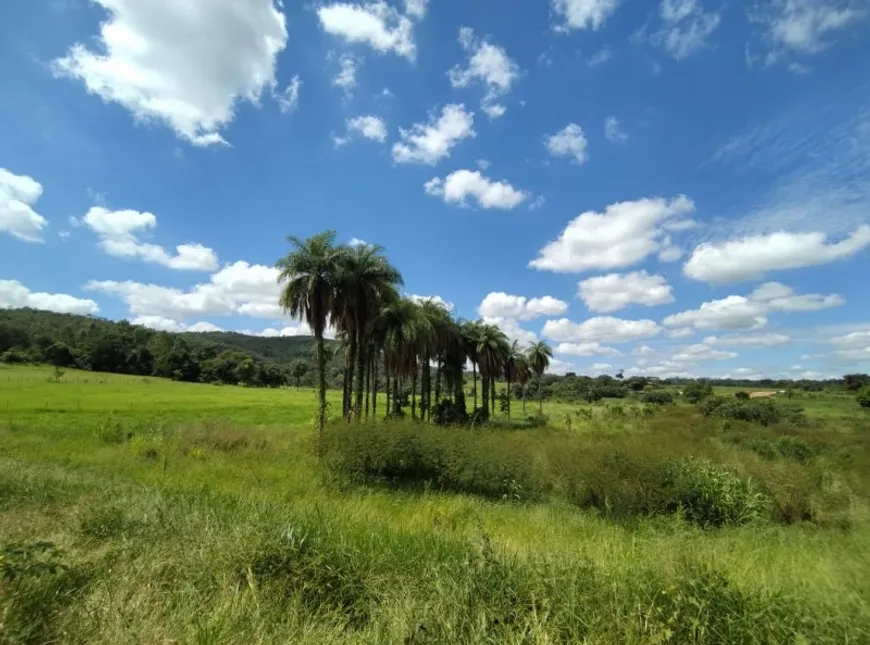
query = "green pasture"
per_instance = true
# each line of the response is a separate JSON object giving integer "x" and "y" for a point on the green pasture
{"x": 189, "y": 513}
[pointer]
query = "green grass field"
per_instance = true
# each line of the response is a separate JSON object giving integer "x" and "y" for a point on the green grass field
{"x": 188, "y": 513}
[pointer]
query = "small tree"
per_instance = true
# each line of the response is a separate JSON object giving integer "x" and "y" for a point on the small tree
{"x": 697, "y": 392}
{"x": 299, "y": 369}
{"x": 58, "y": 373}
{"x": 742, "y": 396}
{"x": 864, "y": 398}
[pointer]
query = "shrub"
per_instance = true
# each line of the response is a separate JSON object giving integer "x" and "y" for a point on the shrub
{"x": 448, "y": 413}
{"x": 13, "y": 356}
{"x": 863, "y": 398}
{"x": 696, "y": 392}
{"x": 710, "y": 495}
{"x": 742, "y": 396}
{"x": 764, "y": 412}
{"x": 657, "y": 397}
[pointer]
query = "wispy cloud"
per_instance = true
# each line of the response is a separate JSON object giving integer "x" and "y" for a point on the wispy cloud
{"x": 816, "y": 160}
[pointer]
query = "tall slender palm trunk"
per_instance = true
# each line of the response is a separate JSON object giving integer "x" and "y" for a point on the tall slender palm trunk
{"x": 414, "y": 395}
{"x": 474, "y": 375}
{"x": 524, "y": 399}
{"x": 485, "y": 392}
{"x": 492, "y": 398}
{"x": 508, "y": 398}
{"x": 375, "y": 365}
{"x": 321, "y": 381}
{"x": 360, "y": 367}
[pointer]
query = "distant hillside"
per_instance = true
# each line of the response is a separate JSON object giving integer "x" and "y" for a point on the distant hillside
{"x": 87, "y": 342}
{"x": 279, "y": 349}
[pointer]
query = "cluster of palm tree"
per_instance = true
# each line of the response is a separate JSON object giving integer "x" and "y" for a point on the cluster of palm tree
{"x": 356, "y": 291}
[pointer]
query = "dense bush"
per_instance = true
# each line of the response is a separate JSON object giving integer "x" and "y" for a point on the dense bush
{"x": 762, "y": 411}
{"x": 864, "y": 398}
{"x": 710, "y": 495}
{"x": 657, "y": 397}
{"x": 697, "y": 391}
{"x": 742, "y": 396}
{"x": 620, "y": 476}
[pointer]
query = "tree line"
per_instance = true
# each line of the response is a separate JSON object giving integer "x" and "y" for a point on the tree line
{"x": 416, "y": 349}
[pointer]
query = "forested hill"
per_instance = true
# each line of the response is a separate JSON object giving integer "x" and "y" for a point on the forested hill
{"x": 86, "y": 342}
{"x": 280, "y": 349}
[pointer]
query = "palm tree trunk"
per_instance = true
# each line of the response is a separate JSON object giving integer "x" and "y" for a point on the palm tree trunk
{"x": 524, "y": 399}
{"x": 368, "y": 387}
{"x": 474, "y": 372}
{"x": 438, "y": 383}
{"x": 397, "y": 405}
{"x": 485, "y": 398}
{"x": 360, "y": 368}
{"x": 425, "y": 388}
{"x": 509, "y": 398}
{"x": 375, "y": 365}
{"x": 414, "y": 395}
{"x": 492, "y": 398}
{"x": 540, "y": 398}
{"x": 321, "y": 370}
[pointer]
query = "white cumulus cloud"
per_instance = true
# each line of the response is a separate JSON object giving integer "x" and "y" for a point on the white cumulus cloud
{"x": 429, "y": 143}
{"x": 600, "y": 329}
{"x": 13, "y": 295}
{"x": 461, "y": 185}
{"x": 489, "y": 65}
{"x": 502, "y": 305}
{"x": 583, "y": 14}
{"x": 568, "y": 142}
{"x": 18, "y": 196}
{"x": 376, "y": 24}
{"x": 615, "y": 291}
{"x": 119, "y": 236}
{"x": 587, "y": 349}
{"x": 750, "y": 258}
{"x": 186, "y": 64}
{"x": 161, "y": 323}
{"x": 624, "y": 234}
{"x": 239, "y": 288}
{"x": 737, "y": 313}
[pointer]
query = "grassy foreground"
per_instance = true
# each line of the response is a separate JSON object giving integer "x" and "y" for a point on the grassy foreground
{"x": 198, "y": 514}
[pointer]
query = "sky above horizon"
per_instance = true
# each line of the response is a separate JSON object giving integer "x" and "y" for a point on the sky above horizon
{"x": 669, "y": 188}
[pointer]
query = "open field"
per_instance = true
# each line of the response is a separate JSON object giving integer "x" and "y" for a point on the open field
{"x": 189, "y": 513}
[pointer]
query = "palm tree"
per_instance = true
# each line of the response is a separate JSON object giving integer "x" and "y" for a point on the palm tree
{"x": 309, "y": 277}
{"x": 522, "y": 373}
{"x": 366, "y": 280}
{"x": 539, "y": 355}
{"x": 492, "y": 349}
{"x": 470, "y": 334}
{"x": 514, "y": 363}
{"x": 436, "y": 325}
{"x": 401, "y": 320}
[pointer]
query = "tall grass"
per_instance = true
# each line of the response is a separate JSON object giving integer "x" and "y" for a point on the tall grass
{"x": 190, "y": 526}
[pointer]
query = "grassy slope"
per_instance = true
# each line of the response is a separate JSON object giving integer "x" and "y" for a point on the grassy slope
{"x": 167, "y": 548}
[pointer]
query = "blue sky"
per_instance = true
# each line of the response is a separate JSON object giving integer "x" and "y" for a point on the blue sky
{"x": 669, "y": 188}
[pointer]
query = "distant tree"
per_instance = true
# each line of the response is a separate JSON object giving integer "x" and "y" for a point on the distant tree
{"x": 538, "y": 356}
{"x": 864, "y": 398}
{"x": 697, "y": 391}
{"x": 246, "y": 370}
{"x": 298, "y": 369}
{"x": 742, "y": 396}
{"x": 60, "y": 355}
{"x": 855, "y": 382}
